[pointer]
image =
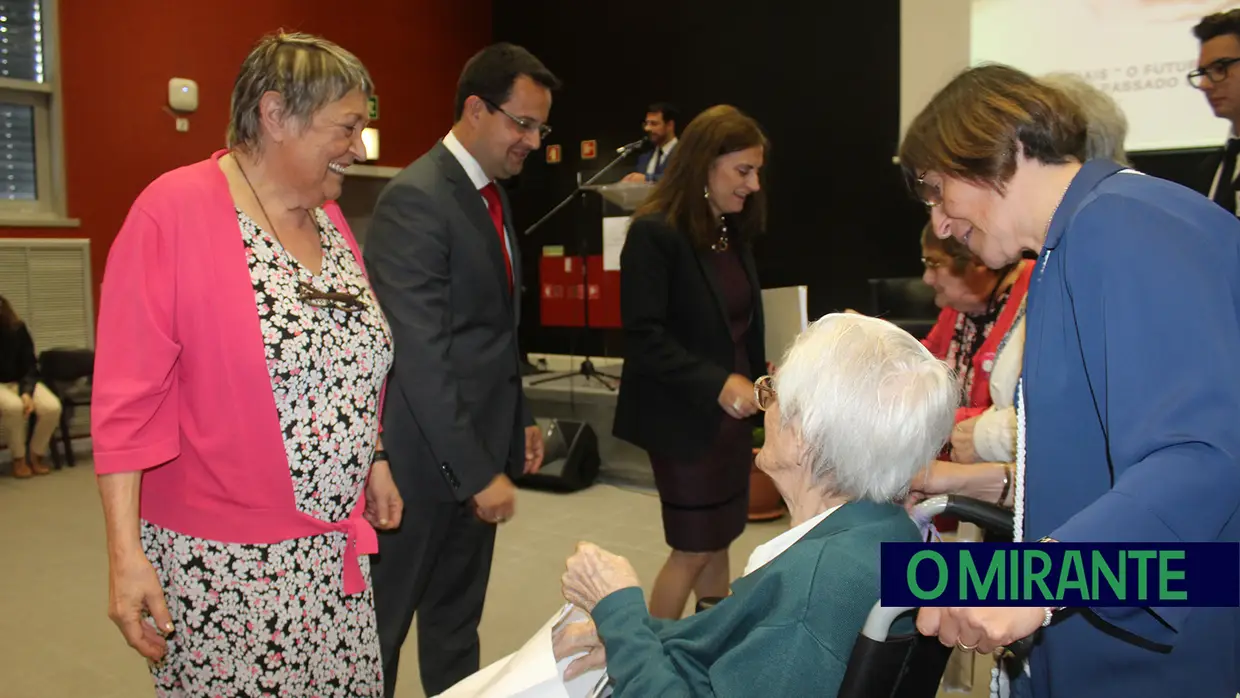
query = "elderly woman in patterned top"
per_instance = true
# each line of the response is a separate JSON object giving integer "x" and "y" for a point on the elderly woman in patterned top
{"x": 239, "y": 379}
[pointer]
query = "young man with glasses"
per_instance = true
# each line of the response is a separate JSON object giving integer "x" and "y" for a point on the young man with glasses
{"x": 1218, "y": 77}
{"x": 446, "y": 266}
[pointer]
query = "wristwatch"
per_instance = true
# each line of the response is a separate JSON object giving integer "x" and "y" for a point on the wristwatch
{"x": 380, "y": 454}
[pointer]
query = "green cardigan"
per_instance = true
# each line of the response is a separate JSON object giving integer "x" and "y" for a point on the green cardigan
{"x": 788, "y": 628}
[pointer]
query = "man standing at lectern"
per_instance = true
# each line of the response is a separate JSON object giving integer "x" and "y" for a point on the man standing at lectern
{"x": 660, "y": 127}
{"x": 1218, "y": 77}
{"x": 446, "y": 266}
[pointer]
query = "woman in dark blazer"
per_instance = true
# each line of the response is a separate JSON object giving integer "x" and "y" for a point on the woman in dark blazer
{"x": 692, "y": 311}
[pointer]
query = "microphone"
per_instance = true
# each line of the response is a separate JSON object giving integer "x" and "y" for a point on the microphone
{"x": 634, "y": 145}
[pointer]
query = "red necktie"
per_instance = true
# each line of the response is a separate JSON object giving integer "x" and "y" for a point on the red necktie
{"x": 491, "y": 193}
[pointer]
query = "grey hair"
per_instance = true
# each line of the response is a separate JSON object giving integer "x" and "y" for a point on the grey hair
{"x": 307, "y": 71}
{"x": 1107, "y": 126}
{"x": 872, "y": 404}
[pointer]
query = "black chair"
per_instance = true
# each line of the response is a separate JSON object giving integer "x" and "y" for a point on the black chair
{"x": 906, "y": 302}
{"x": 909, "y": 665}
{"x": 67, "y": 373}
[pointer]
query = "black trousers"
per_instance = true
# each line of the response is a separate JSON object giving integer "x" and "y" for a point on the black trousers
{"x": 436, "y": 566}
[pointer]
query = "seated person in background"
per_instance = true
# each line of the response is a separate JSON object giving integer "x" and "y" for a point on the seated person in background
{"x": 859, "y": 406}
{"x": 660, "y": 127}
{"x": 21, "y": 394}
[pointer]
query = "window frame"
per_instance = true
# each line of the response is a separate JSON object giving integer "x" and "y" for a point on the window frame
{"x": 50, "y": 207}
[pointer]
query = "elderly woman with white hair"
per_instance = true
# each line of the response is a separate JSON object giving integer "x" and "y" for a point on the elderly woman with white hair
{"x": 858, "y": 408}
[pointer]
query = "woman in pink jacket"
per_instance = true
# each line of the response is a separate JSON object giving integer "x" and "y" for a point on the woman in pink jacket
{"x": 241, "y": 358}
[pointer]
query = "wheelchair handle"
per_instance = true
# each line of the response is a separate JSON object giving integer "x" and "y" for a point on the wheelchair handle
{"x": 991, "y": 517}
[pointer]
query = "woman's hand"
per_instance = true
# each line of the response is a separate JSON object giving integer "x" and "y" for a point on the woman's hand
{"x": 982, "y": 481}
{"x": 981, "y": 630}
{"x": 384, "y": 505}
{"x": 736, "y": 398}
{"x": 592, "y": 574}
{"x": 574, "y": 638}
{"x": 133, "y": 587}
{"x": 27, "y": 405}
{"x": 963, "y": 450}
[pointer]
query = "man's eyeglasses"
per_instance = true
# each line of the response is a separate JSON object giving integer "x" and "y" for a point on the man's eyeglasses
{"x": 522, "y": 122}
{"x": 764, "y": 392}
{"x": 348, "y": 302}
{"x": 931, "y": 263}
{"x": 1216, "y": 71}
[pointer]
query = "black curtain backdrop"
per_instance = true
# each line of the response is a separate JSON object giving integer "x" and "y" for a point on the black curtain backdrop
{"x": 821, "y": 78}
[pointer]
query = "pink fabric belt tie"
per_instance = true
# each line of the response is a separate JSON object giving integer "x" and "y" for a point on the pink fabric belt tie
{"x": 361, "y": 540}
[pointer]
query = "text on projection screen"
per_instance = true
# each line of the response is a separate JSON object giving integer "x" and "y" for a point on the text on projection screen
{"x": 1138, "y": 51}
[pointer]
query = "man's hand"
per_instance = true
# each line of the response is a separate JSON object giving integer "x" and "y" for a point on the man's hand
{"x": 498, "y": 502}
{"x": 534, "y": 449}
{"x": 634, "y": 177}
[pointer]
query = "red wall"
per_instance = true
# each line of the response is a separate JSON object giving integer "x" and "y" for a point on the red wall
{"x": 118, "y": 55}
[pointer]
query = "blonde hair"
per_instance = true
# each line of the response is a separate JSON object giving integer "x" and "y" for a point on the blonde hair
{"x": 307, "y": 71}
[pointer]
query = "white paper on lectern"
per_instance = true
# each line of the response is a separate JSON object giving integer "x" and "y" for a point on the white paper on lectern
{"x": 531, "y": 672}
{"x": 615, "y": 230}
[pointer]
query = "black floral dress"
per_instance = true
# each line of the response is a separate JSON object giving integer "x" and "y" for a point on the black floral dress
{"x": 273, "y": 620}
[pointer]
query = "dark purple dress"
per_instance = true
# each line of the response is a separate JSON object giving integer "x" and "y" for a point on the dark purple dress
{"x": 706, "y": 500}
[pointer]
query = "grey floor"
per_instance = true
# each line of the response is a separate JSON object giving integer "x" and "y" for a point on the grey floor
{"x": 57, "y": 642}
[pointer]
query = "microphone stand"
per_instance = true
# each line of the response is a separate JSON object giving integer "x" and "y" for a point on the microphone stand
{"x": 587, "y": 368}
{"x": 624, "y": 153}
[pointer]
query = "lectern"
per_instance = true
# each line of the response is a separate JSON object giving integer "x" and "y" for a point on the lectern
{"x": 581, "y": 289}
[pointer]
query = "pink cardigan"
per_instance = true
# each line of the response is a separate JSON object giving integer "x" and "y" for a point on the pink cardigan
{"x": 181, "y": 385}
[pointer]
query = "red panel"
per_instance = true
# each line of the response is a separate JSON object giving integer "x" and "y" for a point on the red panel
{"x": 562, "y": 286}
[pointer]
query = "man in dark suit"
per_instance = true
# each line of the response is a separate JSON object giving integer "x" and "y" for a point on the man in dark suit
{"x": 660, "y": 127}
{"x": 444, "y": 260}
{"x": 1219, "y": 35}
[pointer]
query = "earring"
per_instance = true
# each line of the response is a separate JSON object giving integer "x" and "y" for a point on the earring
{"x": 706, "y": 192}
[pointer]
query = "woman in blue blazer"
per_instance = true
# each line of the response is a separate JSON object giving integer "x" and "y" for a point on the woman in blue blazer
{"x": 1129, "y": 400}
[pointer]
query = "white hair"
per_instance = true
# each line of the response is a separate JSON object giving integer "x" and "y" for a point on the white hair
{"x": 872, "y": 404}
{"x": 1106, "y": 124}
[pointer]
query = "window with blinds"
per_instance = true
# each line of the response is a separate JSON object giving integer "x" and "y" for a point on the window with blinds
{"x": 31, "y": 169}
{"x": 21, "y": 40}
{"x": 18, "y": 169}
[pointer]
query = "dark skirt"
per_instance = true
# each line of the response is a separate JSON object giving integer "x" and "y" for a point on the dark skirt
{"x": 706, "y": 499}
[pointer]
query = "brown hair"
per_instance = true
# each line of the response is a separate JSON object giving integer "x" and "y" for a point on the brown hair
{"x": 8, "y": 316}
{"x": 971, "y": 128}
{"x": 678, "y": 196}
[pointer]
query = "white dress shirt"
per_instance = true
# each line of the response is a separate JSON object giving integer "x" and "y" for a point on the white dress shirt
{"x": 771, "y": 549}
{"x": 476, "y": 175}
{"x": 1218, "y": 171}
{"x": 665, "y": 149}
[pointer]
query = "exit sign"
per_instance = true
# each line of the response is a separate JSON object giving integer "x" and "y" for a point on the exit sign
{"x": 373, "y": 104}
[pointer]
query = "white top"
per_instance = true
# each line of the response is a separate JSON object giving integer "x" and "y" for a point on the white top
{"x": 476, "y": 175}
{"x": 1218, "y": 171}
{"x": 666, "y": 149}
{"x": 771, "y": 549}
